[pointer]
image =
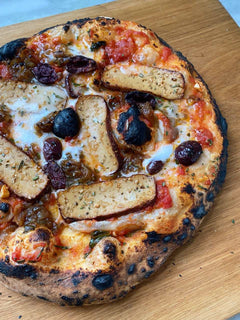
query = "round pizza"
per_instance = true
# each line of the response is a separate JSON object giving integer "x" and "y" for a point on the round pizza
{"x": 112, "y": 150}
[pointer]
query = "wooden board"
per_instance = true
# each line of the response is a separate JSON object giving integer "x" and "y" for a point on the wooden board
{"x": 202, "y": 279}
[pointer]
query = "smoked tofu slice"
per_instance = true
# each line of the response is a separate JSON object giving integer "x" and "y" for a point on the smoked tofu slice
{"x": 20, "y": 172}
{"x": 108, "y": 198}
{"x": 99, "y": 148}
{"x": 160, "y": 82}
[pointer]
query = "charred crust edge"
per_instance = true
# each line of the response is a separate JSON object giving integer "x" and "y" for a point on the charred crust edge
{"x": 19, "y": 272}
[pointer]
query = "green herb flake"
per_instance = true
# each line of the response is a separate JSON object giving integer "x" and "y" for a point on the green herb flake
{"x": 36, "y": 178}
{"x": 210, "y": 142}
{"x": 233, "y": 221}
{"x": 21, "y": 164}
{"x": 61, "y": 247}
{"x": 57, "y": 96}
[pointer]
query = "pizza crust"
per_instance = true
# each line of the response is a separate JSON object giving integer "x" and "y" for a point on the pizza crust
{"x": 146, "y": 251}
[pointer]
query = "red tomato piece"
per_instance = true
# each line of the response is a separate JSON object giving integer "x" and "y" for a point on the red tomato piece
{"x": 181, "y": 170}
{"x": 87, "y": 250}
{"x": 120, "y": 50}
{"x": 164, "y": 199}
{"x": 204, "y": 136}
{"x": 34, "y": 256}
{"x": 4, "y": 72}
{"x": 166, "y": 52}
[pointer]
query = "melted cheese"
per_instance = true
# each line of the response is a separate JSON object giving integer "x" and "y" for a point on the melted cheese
{"x": 162, "y": 154}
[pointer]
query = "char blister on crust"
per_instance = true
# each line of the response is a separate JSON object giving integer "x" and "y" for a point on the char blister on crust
{"x": 99, "y": 287}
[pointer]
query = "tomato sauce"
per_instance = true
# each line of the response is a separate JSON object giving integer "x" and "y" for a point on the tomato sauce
{"x": 124, "y": 48}
{"x": 4, "y": 72}
{"x": 204, "y": 136}
{"x": 164, "y": 199}
{"x": 165, "y": 54}
{"x": 181, "y": 171}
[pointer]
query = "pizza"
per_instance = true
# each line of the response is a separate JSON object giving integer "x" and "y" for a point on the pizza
{"x": 112, "y": 150}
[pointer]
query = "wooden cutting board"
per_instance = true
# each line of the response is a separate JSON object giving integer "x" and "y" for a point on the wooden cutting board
{"x": 202, "y": 279}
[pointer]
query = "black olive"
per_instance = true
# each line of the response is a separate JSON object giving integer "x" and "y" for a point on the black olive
{"x": 55, "y": 174}
{"x": 135, "y": 97}
{"x": 81, "y": 64}
{"x": 133, "y": 111}
{"x": 154, "y": 167}
{"x": 45, "y": 74}
{"x": 4, "y": 207}
{"x": 66, "y": 123}
{"x": 137, "y": 133}
{"x": 52, "y": 149}
{"x": 188, "y": 152}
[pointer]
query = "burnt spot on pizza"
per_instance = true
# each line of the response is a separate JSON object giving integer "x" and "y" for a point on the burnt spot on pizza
{"x": 210, "y": 196}
{"x": 96, "y": 45}
{"x": 43, "y": 298}
{"x": 148, "y": 274}
{"x": 66, "y": 27}
{"x": 122, "y": 293}
{"x": 131, "y": 269}
{"x": 165, "y": 249}
{"x": 76, "y": 274}
{"x": 18, "y": 272}
{"x": 182, "y": 236}
{"x": 167, "y": 238}
{"x": 143, "y": 270}
{"x": 192, "y": 227}
{"x": 150, "y": 261}
{"x": 188, "y": 188}
{"x": 76, "y": 281}
{"x": 76, "y": 278}
{"x": 75, "y": 292}
{"x": 103, "y": 281}
{"x": 78, "y": 302}
{"x": 80, "y": 22}
{"x": 68, "y": 300}
{"x": 10, "y": 49}
{"x": 153, "y": 237}
{"x": 199, "y": 211}
{"x": 221, "y": 121}
{"x": 109, "y": 249}
{"x": 186, "y": 221}
{"x": 54, "y": 271}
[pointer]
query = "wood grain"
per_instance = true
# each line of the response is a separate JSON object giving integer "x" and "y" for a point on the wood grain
{"x": 202, "y": 279}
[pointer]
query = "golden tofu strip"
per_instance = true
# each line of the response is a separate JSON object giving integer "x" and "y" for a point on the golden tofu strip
{"x": 108, "y": 198}
{"x": 160, "y": 82}
{"x": 99, "y": 149}
{"x": 22, "y": 175}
